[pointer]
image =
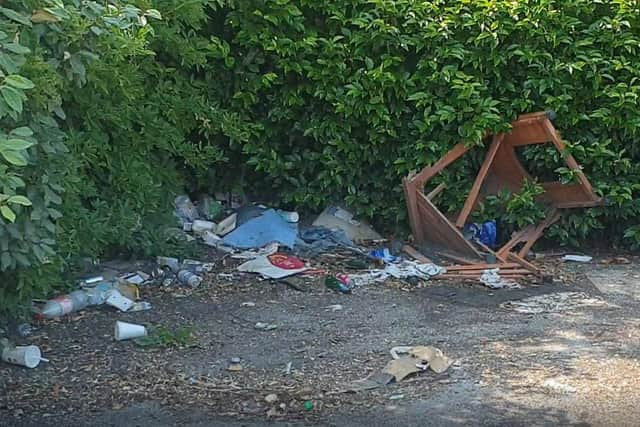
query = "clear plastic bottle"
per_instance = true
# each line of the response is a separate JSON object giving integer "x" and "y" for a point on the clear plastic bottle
{"x": 65, "y": 304}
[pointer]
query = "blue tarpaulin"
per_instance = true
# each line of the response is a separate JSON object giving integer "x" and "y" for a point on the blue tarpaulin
{"x": 259, "y": 232}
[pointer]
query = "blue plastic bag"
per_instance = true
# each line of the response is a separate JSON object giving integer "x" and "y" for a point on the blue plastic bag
{"x": 486, "y": 232}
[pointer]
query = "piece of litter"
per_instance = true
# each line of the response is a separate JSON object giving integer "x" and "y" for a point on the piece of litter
{"x": 553, "y": 303}
{"x": 558, "y": 387}
{"x": 396, "y": 397}
{"x": 117, "y": 300}
{"x": 248, "y": 304}
{"x": 140, "y": 306}
{"x": 401, "y": 270}
{"x": 491, "y": 278}
{"x": 287, "y": 370}
{"x": 275, "y": 266}
{"x": 261, "y": 326}
{"x": 577, "y": 258}
{"x": 334, "y": 307}
{"x": 271, "y": 398}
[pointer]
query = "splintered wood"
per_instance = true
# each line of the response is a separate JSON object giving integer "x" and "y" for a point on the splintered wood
{"x": 501, "y": 169}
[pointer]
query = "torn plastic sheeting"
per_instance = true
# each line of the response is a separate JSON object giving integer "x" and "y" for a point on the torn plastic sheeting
{"x": 275, "y": 266}
{"x": 259, "y": 232}
{"x": 315, "y": 240}
{"x": 270, "y": 249}
{"x": 401, "y": 270}
{"x": 383, "y": 254}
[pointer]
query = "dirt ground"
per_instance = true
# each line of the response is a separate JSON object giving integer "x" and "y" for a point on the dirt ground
{"x": 576, "y": 367}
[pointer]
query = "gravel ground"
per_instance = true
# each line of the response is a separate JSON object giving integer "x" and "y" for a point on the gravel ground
{"x": 575, "y": 367}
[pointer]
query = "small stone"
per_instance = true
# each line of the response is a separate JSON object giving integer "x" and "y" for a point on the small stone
{"x": 271, "y": 398}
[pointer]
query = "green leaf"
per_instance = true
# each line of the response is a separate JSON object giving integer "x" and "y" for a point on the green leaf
{"x": 14, "y": 157}
{"x": 369, "y": 62}
{"x": 15, "y": 144}
{"x": 12, "y": 14}
{"x": 153, "y": 13}
{"x": 22, "y": 131}
{"x": 13, "y": 97}
{"x": 19, "y": 82}
{"x": 19, "y": 200}
{"x": 41, "y": 16}
{"x": 7, "y": 213}
{"x": 16, "y": 48}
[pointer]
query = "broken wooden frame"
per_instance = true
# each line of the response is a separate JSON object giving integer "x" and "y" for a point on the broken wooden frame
{"x": 501, "y": 169}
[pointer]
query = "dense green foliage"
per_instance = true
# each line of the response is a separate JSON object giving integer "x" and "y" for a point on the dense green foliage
{"x": 109, "y": 109}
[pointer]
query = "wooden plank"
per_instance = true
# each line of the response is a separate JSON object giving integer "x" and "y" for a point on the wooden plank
{"x": 568, "y": 158}
{"x": 470, "y": 203}
{"x": 438, "y": 230}
{"x": 412, "y": 210}
{"x": 501, "y": 272}
{"x": 552, "y": 216}
{"x": 482, "y": 266}
{"x": 429, "y": 172}
{"x": 522, "y": 262}
{"x": 518, "y": 237}
{"x": 436, "y": 191}
{"x": 411, "y": 251}
{"x": 457, "y": 258}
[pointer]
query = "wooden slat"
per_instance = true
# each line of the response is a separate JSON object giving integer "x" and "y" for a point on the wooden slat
{"x": 411, "y": 251}
{"x": 477, "y": 184}
{"x": 429, "y": 172}
{"x": 436, "y": 191}
{"x": 569, "y": 159}
{"x": 552, "y": 216}
{"x": 518, "y": 237}
{"x": 412, "y": 210}
{"x": 526, "y": 264}
{"x": 482, "y": 266}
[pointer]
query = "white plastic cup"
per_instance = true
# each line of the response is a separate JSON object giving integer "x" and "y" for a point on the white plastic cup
{"x": 27, "y": 355}
{"x": 200, "y": 226}
{"x": 127, "y": 331}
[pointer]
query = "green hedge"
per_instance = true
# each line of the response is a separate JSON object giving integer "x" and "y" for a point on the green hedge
{"x": 312, "y": 101}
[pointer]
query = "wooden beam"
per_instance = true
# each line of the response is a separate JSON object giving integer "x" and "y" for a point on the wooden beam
{"x": 477, "y": 185}
{"x": 569, "y": 159}
{"x": 551, "y": 218}
{"x": 436, "y": 191}
{"x": 411, "y": 251}
{"x": 412, "y": 210}
{"x": 429, "y": 172}
{"x": 482, "y": 266}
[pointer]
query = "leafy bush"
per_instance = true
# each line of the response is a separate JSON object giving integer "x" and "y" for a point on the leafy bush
{"x": 109, "y": 110}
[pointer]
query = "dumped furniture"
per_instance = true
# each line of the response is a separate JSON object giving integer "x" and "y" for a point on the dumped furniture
{"x": 501, "y": 170}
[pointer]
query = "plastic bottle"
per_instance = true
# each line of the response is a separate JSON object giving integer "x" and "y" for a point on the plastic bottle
{"x": 334, "y": 283}
{"x": 65, "y": 304}
{"x": 188, "y": 278}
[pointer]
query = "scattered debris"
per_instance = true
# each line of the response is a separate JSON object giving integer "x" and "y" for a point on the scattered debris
{"x": 248, "y": 304}
{"x": 234, "y": 365}
{"x": 275, "y": 266}
{"x": 308, "y": 406}
{"x": 188, "y": 278}
{"x": 262, "y": 326}
{"x": 337, "y": 218}
{"x": 140, "y": 306}
{"x": 117, "y": 300}
{"x": 553, "y": 303}
{"x": 271, "y": 398}
{"x": 258, "y": 232}
{"x": 24, "y": 330}
{"x": 491, "y": 278}
{"x": 287, "y": 369}
{"x": 577, "y": 258}
{"x": 558, "y": 387}
{"x": 126, "y": 331}
{"x": 396, "y": 397}
{"x": 383, "y": 255}
{"x": 401, "y": 270}
{"x": 419, "y": 358}
{"x": 339, "y": 283}
{"x": 334, "y": 307}
{"x": 29, "y": 356}
{"x": 65, "y": 304}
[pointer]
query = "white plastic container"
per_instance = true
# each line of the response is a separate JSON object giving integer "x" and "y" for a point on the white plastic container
{"x": 127, "y": 331}
{"x": 28, "y": 355}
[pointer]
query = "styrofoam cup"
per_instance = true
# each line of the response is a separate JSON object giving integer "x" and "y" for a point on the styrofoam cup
{"x": 26, "y": 355}
{"x": 127, "y": 331}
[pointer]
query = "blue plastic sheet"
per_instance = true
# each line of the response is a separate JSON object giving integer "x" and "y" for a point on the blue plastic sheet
{"x": 261, "y": 231}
